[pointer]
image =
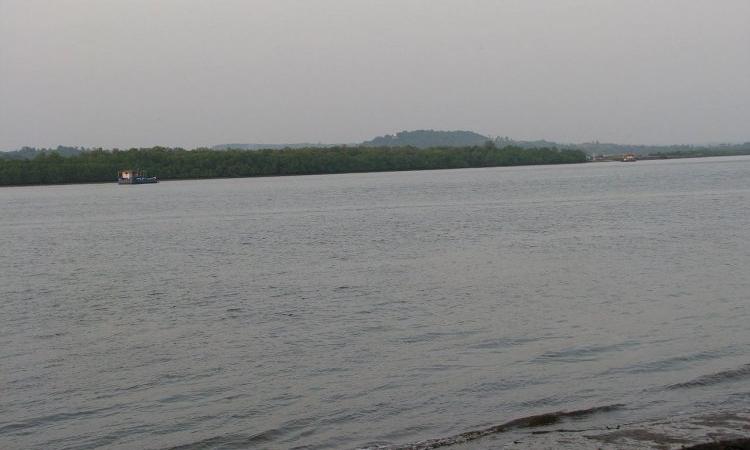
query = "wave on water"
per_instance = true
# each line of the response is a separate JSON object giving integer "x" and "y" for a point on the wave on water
{"x": 715, "y": 378}
{"x": 540, "y": 420}
{"x": 231, "y": 441}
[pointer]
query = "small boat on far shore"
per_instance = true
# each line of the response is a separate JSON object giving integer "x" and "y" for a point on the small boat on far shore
{"x": 134, "y": 177}
{"x": 629, "y": 157}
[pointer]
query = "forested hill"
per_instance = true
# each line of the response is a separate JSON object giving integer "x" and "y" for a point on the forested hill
{"x": 428, "y": 138}
{"x": 418, "y": 139}
{"x": 165, "y": 163}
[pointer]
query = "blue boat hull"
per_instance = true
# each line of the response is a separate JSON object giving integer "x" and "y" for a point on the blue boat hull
{"x": 137, "y": 180}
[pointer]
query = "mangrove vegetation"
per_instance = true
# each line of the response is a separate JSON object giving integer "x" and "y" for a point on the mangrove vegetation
{"x": 170, "y": 163}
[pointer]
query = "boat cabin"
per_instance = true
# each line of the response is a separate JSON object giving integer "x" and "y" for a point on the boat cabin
{"x": 126, "y": 174}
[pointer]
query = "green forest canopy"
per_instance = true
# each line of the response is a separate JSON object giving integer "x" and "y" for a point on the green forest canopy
{"x": 167, "y": 163}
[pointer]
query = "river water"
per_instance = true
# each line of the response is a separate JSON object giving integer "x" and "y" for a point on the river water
{"x": 342, "y": 311}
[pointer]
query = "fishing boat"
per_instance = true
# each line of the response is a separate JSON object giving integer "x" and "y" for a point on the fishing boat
{"x": 134, "y": 177}
{"x": 629, "y": 157}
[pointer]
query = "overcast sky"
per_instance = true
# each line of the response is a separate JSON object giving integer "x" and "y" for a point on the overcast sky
{"x": 121, "y": 73}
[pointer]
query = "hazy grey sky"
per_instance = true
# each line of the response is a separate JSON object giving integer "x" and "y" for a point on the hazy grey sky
{"x": 199, "y": 72}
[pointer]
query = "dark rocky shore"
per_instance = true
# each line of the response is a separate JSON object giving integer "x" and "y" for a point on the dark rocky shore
{"x": 728, "y": 444}
{"x": 565, "y": 430}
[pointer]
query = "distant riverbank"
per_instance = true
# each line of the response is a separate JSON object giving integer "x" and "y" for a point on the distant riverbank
{"x": 676, "y": 155}
{"x": 166, "y": 163}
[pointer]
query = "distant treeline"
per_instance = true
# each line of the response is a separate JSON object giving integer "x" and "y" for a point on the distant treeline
{"x": 166, "y": 163}
{"x": 699, "y": 152}
{"x": 439, "y": 139}
{"x": 32, "y": 152}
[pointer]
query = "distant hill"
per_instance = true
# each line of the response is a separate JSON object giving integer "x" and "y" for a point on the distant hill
{"x": 436, "y": 138}
{"x": 462, "y": 138}
{"x": 417, "y": 138}
{"x": 428, "y": 138}
{"x": 267, "y": 146}
{"x": 541, "y": 143}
